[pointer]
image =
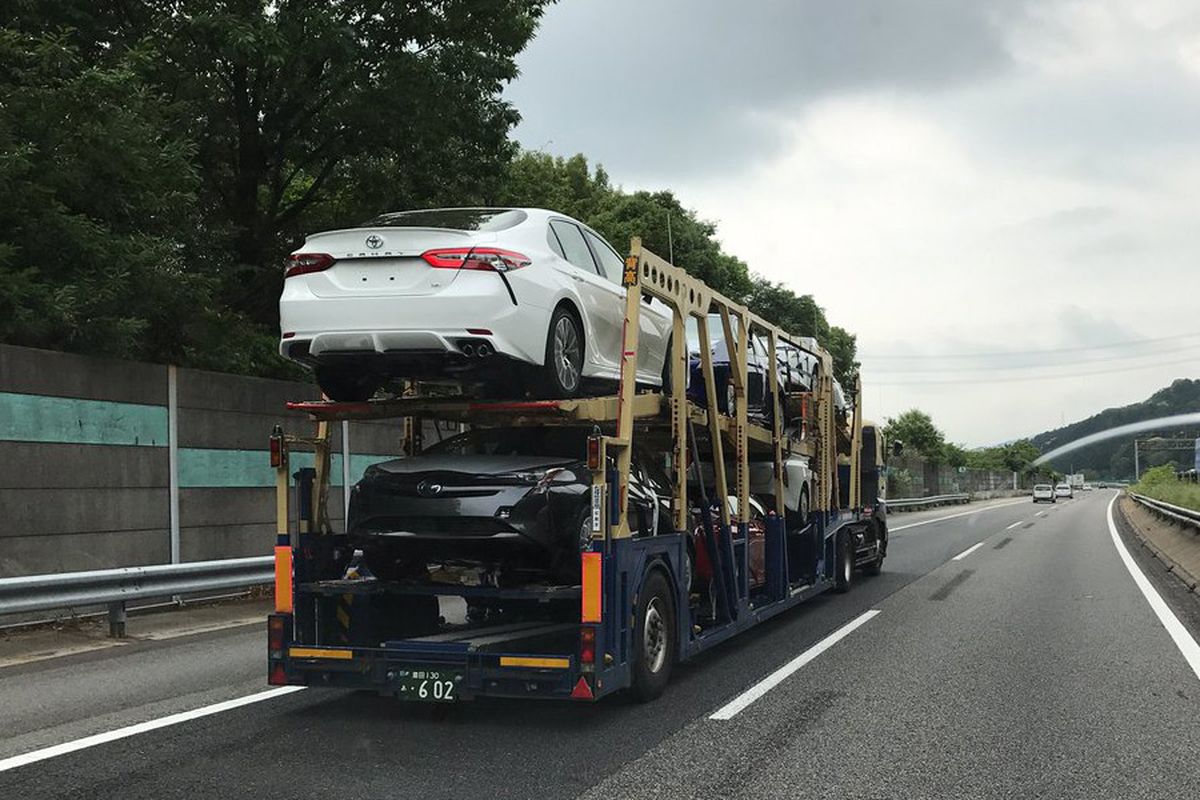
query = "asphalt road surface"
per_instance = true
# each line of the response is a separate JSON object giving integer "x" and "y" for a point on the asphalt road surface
{"x": 1011, "y": 654}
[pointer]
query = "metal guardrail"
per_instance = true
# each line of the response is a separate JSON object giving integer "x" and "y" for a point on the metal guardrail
{"x": 933, "y": 500}
{"x": 116, "y": 587}
{"x": 1178, "y": 513}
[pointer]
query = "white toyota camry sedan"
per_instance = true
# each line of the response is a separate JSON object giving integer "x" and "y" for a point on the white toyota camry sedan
{"x": 474, "y": 295}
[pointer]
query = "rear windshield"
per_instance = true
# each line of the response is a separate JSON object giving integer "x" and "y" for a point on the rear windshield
{"x": 458, "y": 219}
{"x": 1041, "y": 487}
{"x": 555, "y": 442}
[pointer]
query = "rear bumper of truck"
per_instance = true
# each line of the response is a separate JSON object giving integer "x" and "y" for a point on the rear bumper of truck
{"x": 432, "y": 671}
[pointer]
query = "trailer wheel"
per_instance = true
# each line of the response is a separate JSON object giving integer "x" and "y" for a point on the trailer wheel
{"x": 876, "y": 565}
{"x": 845, "y": 563}
{"x": 654, "y": 638}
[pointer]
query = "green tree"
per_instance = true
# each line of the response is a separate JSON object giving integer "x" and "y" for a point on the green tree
{"x": 98, "y": 205}
{"x": 916, "y": 430}
{"x": 309, "y": 114}
{"x": 954, "y": 455}
{"x": 160, "y": 156}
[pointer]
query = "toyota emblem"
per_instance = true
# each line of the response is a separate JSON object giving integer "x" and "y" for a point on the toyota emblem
{"x": 374, "y": 241}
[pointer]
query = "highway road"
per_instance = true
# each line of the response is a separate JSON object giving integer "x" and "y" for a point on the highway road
{"x": 1006, "y": 651}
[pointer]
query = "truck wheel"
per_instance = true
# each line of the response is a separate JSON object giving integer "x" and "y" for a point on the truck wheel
{"x": 845, "y": 563}
{"x": 653, "y": 638}
{"x": 876, "y": 565}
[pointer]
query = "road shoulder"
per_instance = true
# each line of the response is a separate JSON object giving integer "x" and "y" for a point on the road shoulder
{"x": 1154, "y": 548}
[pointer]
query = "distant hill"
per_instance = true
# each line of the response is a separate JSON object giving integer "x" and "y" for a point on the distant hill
{"x": 1114, "y": 459}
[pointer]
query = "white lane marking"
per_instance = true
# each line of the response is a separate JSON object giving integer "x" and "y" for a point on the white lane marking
{"x": 954, "y": 516}
{"x": 141, "y": 727}
{"x": 1183, "y": 639}
{"x": 739, "y": 703}
{"x": 1040, "y": 514}
{"x": 967, "y": 552}
{"x": 1015, "y": 524}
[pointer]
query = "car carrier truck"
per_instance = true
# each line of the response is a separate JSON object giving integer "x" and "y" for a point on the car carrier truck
{"x": 632, "y": 614}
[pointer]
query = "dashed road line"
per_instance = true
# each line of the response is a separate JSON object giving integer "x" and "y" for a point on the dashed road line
{"x": 739, "y": 703}
{"x": 967, "y": 552}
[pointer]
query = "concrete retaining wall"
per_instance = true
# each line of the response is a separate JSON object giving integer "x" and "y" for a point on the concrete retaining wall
{"x": 85, "y": 472}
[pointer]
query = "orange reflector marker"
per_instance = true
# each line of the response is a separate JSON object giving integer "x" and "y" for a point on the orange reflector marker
{"x": 541, "y": 663}
{"x": 283, "y": 580}
{"x": 320, "y": 652}
{"x": 591, "y": 587}
{"x": 582, "y": 691}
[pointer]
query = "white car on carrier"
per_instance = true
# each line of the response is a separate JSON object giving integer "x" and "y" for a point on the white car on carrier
{"x": 473, "y": 295}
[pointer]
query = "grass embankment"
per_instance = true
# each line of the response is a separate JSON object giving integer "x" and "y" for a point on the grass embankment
{"x": 1161, "y": 484}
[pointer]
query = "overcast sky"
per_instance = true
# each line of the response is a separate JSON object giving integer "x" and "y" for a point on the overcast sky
{"x": 944, "y": 176}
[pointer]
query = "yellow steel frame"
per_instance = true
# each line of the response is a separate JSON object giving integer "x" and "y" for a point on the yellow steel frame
{"x": 646, "y": 273}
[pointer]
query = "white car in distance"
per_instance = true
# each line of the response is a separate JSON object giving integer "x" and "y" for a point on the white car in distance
{"x": 478, "y": 296}
{"x": 1044, "y": 492}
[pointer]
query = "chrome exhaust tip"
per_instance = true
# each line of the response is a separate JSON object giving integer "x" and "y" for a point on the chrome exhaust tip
{"x": 483, "y": 350}
{"x": 468, "y": 349}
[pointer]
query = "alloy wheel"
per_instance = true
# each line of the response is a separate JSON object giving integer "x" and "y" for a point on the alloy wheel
{"x": 568, "y": 355}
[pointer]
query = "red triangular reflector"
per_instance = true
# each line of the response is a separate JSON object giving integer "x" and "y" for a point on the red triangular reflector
{"x": 582, "y": 691}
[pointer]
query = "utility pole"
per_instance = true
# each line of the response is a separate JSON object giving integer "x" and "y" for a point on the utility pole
{"x": 670, "y": 240}
{"x": 1136, "y": 472}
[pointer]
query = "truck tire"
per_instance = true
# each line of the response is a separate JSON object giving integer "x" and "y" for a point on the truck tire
{"x": 876, "y": 565}
{"x": 654, "y": 638}
{"x": 845, "y": 563}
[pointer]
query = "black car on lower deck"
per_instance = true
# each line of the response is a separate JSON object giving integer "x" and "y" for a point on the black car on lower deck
{"x": 516, "y": 501}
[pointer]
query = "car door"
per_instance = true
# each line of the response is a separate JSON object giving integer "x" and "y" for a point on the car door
{"x": 655, "y": 318}
{"x": 603, "y": 304}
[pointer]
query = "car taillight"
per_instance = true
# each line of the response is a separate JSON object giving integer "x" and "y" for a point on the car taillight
{"x": 489, "y": 259}
{"x": 304, "y": 263}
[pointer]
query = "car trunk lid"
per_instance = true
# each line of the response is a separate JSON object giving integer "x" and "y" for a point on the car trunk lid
{"x": 383, "y": 261}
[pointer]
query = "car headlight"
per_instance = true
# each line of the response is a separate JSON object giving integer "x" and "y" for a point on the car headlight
{"x": 585, "y": 532}
{"x": 540, "y": 479}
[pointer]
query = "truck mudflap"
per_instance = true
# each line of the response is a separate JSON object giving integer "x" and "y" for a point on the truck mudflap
{"x": 431, "y": 671}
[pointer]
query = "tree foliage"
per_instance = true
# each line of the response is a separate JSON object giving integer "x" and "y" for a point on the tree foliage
{"x": 159, "y": 157}
{"x": 98, "y": 202}
{"x": 915, "y": 429}
{"x": 669, "y": 229}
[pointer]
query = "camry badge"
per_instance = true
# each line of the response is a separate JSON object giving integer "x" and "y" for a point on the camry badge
{"x": 374, "y": 241}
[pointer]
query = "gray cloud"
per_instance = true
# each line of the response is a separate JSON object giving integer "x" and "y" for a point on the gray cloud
{"x": 648, "y": 87}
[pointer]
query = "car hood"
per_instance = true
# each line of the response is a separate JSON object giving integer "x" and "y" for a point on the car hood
{"x": 468, "y": 464}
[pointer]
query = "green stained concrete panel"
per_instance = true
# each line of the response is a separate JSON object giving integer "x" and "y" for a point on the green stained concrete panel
{"x": 67, "y": 420}
{"x": 202, "y": 468}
